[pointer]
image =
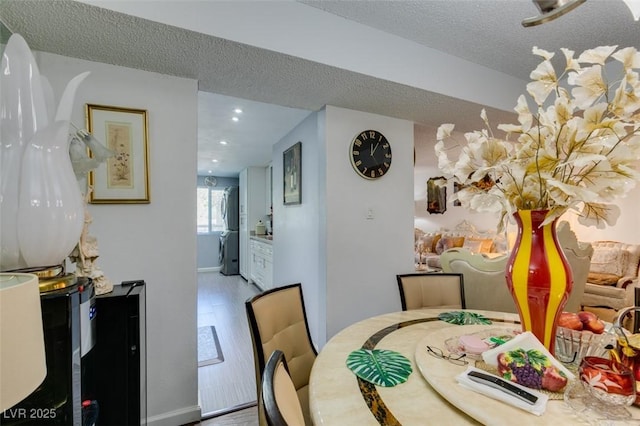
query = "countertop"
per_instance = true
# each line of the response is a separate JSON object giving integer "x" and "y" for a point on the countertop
{"x": 268, "y": 239}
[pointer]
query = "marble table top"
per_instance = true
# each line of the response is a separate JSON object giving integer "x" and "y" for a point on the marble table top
{"x": 338, "y": 397}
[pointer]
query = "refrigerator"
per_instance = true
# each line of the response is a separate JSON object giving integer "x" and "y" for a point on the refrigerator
{"x": 229, "y": 239}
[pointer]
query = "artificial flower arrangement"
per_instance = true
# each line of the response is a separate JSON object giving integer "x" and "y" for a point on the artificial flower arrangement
{"x": 577, "y": 148}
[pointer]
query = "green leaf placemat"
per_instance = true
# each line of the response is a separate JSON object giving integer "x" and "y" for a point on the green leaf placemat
{"x": 381, "y": 367}
{"x": 463, "y": 318}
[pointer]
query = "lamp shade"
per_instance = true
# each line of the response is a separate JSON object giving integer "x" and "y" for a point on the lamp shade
{"x": 23, "y": 365}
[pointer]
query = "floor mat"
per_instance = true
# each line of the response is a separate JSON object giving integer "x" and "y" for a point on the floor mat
{"x": 209, "y": 351}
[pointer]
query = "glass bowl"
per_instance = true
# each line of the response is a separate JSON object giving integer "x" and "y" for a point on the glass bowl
{"x": 573, "y": 345}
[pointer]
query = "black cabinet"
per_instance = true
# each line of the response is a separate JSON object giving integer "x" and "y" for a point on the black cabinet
{"x": 121, "y": 355}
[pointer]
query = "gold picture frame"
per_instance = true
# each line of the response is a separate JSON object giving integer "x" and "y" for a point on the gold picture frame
{"x": 292, "y": 174}
{"x": 123, "y": 178}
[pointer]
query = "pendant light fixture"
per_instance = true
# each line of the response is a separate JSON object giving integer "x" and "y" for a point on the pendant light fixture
{"x": 550, "y": 10}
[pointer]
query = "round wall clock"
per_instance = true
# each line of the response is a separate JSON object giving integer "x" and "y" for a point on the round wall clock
{"x": 370, "y": 154}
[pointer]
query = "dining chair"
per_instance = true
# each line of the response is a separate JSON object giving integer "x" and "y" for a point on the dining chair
{"x": 281, "y": 404}
{"x": 277, "y": 321}
{"x": 430, "y": 290}
{"x": 485, "y": 285}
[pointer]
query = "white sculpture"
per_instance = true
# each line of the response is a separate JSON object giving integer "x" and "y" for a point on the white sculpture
{"x": 41, "y": 207}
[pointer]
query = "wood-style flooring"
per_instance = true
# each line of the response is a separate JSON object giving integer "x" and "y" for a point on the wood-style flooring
{"x": 230, "y": 384}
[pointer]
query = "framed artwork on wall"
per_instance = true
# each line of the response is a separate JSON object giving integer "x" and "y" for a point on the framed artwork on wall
{"x": 457, "y": 187}
{"x": 124, "y": 177}
{"x": 292, "y": 171}
{"x": 436, "y": 195}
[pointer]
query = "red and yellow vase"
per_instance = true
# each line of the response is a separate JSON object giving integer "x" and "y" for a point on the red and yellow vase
{"x": 538, "y": 275}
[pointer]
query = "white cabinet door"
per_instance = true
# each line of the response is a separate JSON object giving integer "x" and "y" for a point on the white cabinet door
{"x": 252, "y": 202}
{"x": 242, "y": 202}
{"x": 244, "y": 248}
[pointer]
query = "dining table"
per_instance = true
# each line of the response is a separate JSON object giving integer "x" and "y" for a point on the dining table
{"x": 431, "y": 393}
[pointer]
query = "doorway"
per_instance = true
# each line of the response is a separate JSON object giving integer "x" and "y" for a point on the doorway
{"x": 226, "y": 374}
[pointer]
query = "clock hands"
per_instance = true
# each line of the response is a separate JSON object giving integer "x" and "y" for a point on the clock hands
{"x": 373, "y": 149}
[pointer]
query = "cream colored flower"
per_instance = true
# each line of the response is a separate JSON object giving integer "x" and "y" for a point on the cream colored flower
{"x": 578, "y": 150}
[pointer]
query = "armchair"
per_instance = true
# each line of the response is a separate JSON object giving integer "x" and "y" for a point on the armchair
{"x": 613, "y": 275}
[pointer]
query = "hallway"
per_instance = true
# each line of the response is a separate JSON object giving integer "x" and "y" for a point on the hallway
{"x": 231, "y": 383}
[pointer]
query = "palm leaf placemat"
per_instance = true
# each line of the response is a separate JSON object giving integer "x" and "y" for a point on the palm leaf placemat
{"x": 380, "y": 366}
{"x": 463, "y": 318}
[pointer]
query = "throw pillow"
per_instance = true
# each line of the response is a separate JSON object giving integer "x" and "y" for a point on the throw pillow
{"x": 450, "y": 242}
{"x": 478, "y": 245}
{"x": 602, "y": 279}
{"x": 609, "y": 260}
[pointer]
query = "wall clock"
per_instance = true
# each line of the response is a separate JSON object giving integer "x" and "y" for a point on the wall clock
{"x": 210, "y": 181}
{"x": 370, "y": 154}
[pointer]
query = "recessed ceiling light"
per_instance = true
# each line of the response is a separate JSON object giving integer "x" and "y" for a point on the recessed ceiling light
{"x": 235, "y": 118}
{"x": 214, "y": 161}
{"x": 223, "y": 142}
{"x": 210, "y": 171}
{"x": 237, "y": 111}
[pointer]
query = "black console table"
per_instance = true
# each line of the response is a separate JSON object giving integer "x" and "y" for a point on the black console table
{"x": 121, "y": 382}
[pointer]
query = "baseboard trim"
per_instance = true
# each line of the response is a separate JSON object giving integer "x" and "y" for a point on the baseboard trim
{"x": 210, "y": 269}
{"x": 183, "y": 416}
{"x": 225, "y": 411}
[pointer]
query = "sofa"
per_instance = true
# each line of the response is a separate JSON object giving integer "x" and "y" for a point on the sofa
{"x": 428, "y": 246}
{"x": 613, "y": 275}
{"x": 485, "y": 285}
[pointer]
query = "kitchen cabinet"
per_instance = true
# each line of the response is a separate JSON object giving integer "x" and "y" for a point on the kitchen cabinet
{"x": 262, "y": 264}
{"x": 251, "y": 206}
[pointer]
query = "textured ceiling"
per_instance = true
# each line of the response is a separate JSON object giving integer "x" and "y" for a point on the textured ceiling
{"x": 487, "y": 32}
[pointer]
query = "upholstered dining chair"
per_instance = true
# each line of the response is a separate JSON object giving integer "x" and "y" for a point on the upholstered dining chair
{"x": 431, "y": 290}
{"x": 281, "y": 404}
{"x": 278, "y": 321}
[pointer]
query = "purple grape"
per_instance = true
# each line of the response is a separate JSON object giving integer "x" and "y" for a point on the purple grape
{"x": 526, "y": 375}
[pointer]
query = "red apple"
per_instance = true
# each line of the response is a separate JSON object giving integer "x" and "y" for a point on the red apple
{"x": 586, "y": 316}
{"x": 591, "y": 322}
{"x": 570, "y": 320}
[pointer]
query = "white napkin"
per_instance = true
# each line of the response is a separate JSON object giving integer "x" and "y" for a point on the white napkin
{"x": 526, "y": 341}
{"x": 538, "y": 408}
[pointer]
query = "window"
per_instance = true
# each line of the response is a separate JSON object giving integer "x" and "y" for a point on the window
{"x": 208, "y": 211}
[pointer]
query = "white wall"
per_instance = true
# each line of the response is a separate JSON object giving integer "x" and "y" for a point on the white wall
{"x": 298, "y": 248}
{"x": 154, "y": 242}
{"x": 364, "y": 255}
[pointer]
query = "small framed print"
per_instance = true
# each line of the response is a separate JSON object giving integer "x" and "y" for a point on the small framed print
{"x": 124, "y": 177}
{"x": 436, "y": 195}
{"x": 292, "y": 174}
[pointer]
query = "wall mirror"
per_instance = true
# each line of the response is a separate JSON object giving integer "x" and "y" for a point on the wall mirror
{"x": 436, "y": 195}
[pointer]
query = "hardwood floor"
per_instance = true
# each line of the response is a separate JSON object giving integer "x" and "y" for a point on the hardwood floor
{"x": 230, "y": 383}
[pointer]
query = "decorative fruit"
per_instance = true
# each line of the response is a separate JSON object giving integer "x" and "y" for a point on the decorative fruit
{"x": 530, "y": 368}
{"x": 553, "y": 380}
{"x": 570, "y": 320}
{"x": 591, "y": 322}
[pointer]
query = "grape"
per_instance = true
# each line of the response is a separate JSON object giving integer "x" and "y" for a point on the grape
{"x": 526, "y": 375}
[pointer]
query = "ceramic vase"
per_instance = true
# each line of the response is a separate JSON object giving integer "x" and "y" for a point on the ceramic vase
{"x": 41, "y": 205}
{"x": 538, "y": 275}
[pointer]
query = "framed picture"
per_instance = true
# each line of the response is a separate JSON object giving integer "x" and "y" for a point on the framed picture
{"x": 457, "y": 187}
{"x": 292, "y": 179}
{"x": 436, "y": 195}
{"x": 123, "y": 178}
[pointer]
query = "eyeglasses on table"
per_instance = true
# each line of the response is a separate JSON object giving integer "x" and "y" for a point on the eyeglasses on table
{"x": 457, "y": 359}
